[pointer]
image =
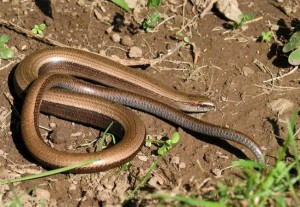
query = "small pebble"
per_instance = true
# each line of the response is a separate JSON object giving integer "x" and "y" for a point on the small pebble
{"x": 274, "y": 27}
{"x": 207, "y": 157}
{"x": 22, "y": 46}
{"x": 156, "y": 181}
{"x": 175, "y": 160}
{"x": 135, "y": 52}
{"x": 52, "y": 125}
{"x": 115, "y": 37}
{"x": 98, "y": 14}
{"x": 142, "y": 158}
{"x": 109, "y": 30}
{"x": 217, "y": 172}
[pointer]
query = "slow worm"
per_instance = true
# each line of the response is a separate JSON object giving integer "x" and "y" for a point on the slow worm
{"x": 57, "y": 92}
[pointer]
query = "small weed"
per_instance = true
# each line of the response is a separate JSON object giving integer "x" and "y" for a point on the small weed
{"x": 5, "y": 52}
{"x": 126, "y": 166}
{"x": 293, "y": 45}
{"x": 122, "y": 4}
{"x": 39, "y": 29}
{"x": 104, "y": 136}
{"x": 266, "y": 36}
{"x": 152, "y": 18}
{"x": 243, "y": 19}
{"x": 165, "y": 146}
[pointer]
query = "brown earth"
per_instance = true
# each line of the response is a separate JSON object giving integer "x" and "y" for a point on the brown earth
{"x": 225, "y": 71}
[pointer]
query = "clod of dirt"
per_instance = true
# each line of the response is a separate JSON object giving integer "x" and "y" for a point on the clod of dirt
{"x": 123, "y": 185}
{"x": 127, "y": 41}
{"x": 207, "y": 157}
{"x": 58, "y": 136}
{"x": 182, "y": 165}
{"x": 135, "y": 52}
{"x": 281, "y": 105}
{"x": 247, "y": 71}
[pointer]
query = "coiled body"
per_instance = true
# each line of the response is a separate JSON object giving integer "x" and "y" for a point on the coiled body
{"x": 57, "y": 92}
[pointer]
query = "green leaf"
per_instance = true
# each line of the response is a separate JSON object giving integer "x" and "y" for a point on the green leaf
{"x": 186, "y": 39}
{"x": 175, "y": 138}
{"x": 294, "y": 57}
{"x": 266, "y": 36}
{"x": 151, "y": 21}
{"x": 248, "y": 164}
{"x": 161, "y": 151}
{"x": 4, "y": 38}
{"x": 155, "y": 18}
{"x": 122, "y": 4}
{"x": 153, "y": 3}
{"x": 42, "y": 26}
{"x": 168, "y": 142}
{"x": 293, "y": 43}
{"x": 246, "y": 17}
{"x": 6, "y": 53}
{"x": 288, "y": 47}
{"x": 34, "y": 30}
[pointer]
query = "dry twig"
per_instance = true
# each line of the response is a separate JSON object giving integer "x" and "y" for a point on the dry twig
{"x": 282, "y": 76}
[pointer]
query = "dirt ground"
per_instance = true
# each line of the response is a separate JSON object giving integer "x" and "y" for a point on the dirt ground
{"x": 231, "y": 68}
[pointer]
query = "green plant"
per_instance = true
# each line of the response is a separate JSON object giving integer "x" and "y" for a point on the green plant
{"x": 258, "y": 185}
{"x": 38, "y": 29}
{"x": 165, "y": 146}
{"x": 152, "y": 18}
{"x": 293, "y": 45}
{"x": 5, "y": 52}
{"x": 101, "y": 145}
{"x": 106, "y": 134}
{"x": 243, "y": 19}
{"x": 122, "y": 4}
{"x": 266, "y": 36}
